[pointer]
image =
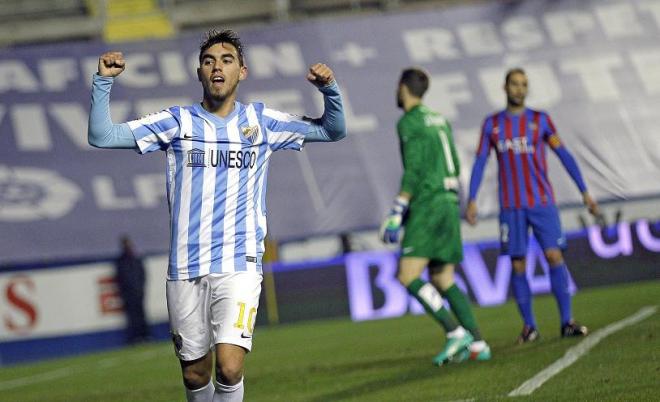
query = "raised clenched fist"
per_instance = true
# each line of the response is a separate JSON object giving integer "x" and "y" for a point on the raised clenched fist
{"x": 320, "y": 75}
{"x": 111, "y": 64}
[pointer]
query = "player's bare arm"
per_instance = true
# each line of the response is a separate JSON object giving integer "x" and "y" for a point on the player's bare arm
{"x": 111, "y": 64}
{"x": 320, "y": 75}
{"x": 471, "y": 213}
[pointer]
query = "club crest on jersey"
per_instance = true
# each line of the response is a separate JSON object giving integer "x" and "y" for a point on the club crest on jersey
{"x": 250, "y": 132}
{"x": 196, "y": 158}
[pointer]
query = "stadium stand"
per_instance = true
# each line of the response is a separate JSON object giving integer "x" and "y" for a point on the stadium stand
{"x": 30, "y": 21}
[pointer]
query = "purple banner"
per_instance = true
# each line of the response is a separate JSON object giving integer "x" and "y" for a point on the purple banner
{"x": 623, "y": 253}
{"x": 593, "y": 65}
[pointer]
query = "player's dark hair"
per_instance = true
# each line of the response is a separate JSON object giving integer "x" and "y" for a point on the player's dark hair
{"x": 416, "y": 80}
{"x": 515, "y": 70}
{"x": 213, "y": 36}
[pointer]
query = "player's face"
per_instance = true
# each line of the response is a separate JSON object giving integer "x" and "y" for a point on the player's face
{"x": 220, "y": 71}
{"x": 516, "y": 89}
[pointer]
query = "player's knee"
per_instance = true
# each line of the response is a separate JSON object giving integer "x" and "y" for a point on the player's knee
{"x": 230, "y": 373}
{"x": 519, "y": 265}
{"x": 443, "y": 282}
{"x": 196, "y": 377}
{"x": 405, "y": 278}
{"x": 442, "y": 276}
{"x": 554, "y": 257}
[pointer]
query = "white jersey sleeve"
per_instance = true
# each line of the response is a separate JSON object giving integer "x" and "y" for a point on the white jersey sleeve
{"x": 155, "y": 131}
{"x": 284, "y": 130}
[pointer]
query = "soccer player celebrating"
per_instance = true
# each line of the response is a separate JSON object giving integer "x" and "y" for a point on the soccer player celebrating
{"x": 217, "y": 159}
{"x": 428, "y": 198}
{"x": 519, "y": 134}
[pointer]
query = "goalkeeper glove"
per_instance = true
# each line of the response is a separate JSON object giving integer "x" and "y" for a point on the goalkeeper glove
{"x": 389, "y": 230}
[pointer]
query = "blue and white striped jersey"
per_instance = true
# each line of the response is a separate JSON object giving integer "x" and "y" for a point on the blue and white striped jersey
{"x": 216, "y": 181}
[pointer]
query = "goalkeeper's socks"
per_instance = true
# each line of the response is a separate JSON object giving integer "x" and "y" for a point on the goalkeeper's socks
{"x": 204, "y": 394}
{"x": 461, "y": 308}
{"x": 523, "y": 296}
{"x": 430, "y": 298}
{"x": 559, "y": 285}
{"x": 229, "y": 393}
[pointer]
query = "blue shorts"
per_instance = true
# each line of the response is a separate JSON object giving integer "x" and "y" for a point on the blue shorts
{"x": 515, "y": 224}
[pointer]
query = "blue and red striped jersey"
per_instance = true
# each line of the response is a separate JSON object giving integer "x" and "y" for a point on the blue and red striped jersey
{"x": 519, "y": 141}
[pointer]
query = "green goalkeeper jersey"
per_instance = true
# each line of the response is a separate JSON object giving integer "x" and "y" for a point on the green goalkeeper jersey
{"x": 430, "y": 162}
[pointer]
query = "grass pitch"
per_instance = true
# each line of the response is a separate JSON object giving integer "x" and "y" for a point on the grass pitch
{"x": 387, "y": 360}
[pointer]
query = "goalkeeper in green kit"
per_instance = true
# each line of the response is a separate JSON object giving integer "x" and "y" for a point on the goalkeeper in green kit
{"x": 428, "y": 201}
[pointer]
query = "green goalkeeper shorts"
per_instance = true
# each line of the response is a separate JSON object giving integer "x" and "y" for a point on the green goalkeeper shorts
{"x": 433, "y": 230}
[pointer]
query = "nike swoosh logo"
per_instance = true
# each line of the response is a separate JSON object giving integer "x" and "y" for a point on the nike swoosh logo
{"x": 245, "y": 336}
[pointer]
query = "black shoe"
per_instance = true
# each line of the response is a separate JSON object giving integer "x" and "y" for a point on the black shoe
{"x": 573, "y": 329}
{"x": 528, "y": 334}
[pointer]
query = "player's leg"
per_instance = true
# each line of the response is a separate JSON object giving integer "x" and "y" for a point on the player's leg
{"x": 410, "y": 270}
{"x": 229, "y": 373}
{"x": 197, "y": 378}
{"x": 513, "y": 242}
{"x": 234, "y": 312}
{"x": 442, "y": 277}
{"x": 559, "y": 283}
{"x": 409, "y": 274}
{"x": 559, "y": 286}
{"x": 523, "y": 295}
{"x": 187, "y": 306}
{"x": 547, "y": 229}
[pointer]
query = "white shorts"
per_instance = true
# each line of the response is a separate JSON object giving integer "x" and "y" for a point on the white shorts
{"x": 212, "y": 309}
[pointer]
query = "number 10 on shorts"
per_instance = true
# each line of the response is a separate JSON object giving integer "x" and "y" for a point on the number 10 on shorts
{"x": 240, "y": 321}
